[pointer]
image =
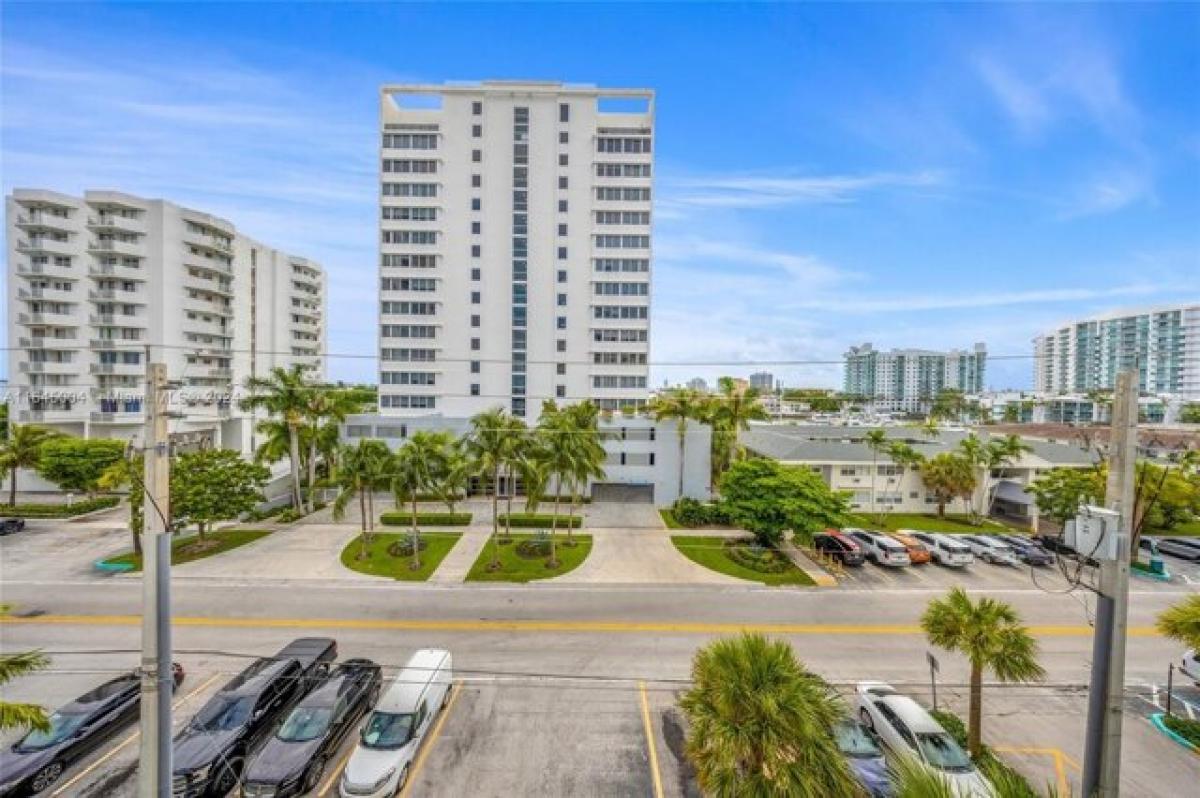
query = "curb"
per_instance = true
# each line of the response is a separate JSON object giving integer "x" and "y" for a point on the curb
{"x": 1165, "y": 576}
{"x": 1157, "y": 721}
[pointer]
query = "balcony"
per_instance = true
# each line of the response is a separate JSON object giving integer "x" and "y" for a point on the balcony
{"x": 220, "y": 372}
{"x": 118, "y": 369}
{"x": 47, "y": 320}
{"x": 47, "y": 415}
{"x": 47, "y": 342}
{"x": 115, "y": 417}
{"x": 44, "y": 244}
{"x": 116, "y": 222}
{"x": 212, "y": 285}
{"x": 117, "y": 270}
{"x": 116, "y": 320}
{"x": 46, "y": 270}
{"x": 307, "y": 325}
{"x": 209, "y": 241}
{"x": 214, "y": 327}
{"x": 116, "y": 295}
{"x": 52, "y": 294}
{"x": 49, "y": 367}
{"x": 114, "y": 246}
{"x": 41, "y": 219}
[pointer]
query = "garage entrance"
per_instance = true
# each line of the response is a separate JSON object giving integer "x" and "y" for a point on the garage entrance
{"x": 623, "y": 492}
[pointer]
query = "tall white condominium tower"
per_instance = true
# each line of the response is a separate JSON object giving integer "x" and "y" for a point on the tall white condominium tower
{"x": 514, "y": 247}
{"x": 907, "y": 380}
{"x": 1087, "y": 355}
{"x": 93, "y": 280}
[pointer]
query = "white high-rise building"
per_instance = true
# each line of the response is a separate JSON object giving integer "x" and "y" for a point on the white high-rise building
{"x": 1086, "y": 355}
{"x": 908, "y": 380}
{"x": 94, "y": 280}
{"x": 515, "y": 247}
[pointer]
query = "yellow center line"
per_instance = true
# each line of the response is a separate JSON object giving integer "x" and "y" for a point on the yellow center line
{"x": 469, "y": 625}
{"x": 427, "y": 744}
{"x": 650, "y": 744}
{"x": 128, "y": 741}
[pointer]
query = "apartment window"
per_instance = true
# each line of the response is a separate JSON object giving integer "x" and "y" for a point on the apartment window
{"x": 562, "y": 253}
{"x": 475, "y": 274}
{"x": 476, "y": 204}
{"x": 476, "y": 181}
{"x": 562, "y": 275}
{"x": 561, "y": 322}
{"x": 560, "y": 345}
{"x": 476, "y": 228}
{"x": 476, "y": 155}
{"x": 475, "y": 345}
{"x": 477, "y": 108}
{"x": 562, "y": 229}
{"x": 564, "y": 112}
{"x": 560, "y": 391}
{"x": 562, "y": 182}
{"x": 475, "y": 250}
{"x": 475, "y": 320}
{"x": 474, "y": 389}
{"x": 410, "y": 237}
{"x": 410, "y": 214}
{"x": 474, "y": 366}
{"x": 476, "y": 131}
{"x": 408, "y": 378}
{"x": 562, "y": 159}
{"x": 562, "y": 300}
{"x": 409, "y": 166}
{"x": 562, "y": 206}
{"x": 560, "y": 368}
{"x": 413, "y": 402}
{"x": 475, "y": 298}
{"x": 562, "y": 137}
{"x": 409, "y": 261}
{"x": 410, "y": 189}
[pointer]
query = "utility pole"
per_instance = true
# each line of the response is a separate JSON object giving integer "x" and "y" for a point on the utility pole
{"x": 1102, "y": 754}
{"x": 154, "y": 775}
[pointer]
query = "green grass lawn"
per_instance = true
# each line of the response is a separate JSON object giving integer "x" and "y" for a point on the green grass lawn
{"x": 380, "y": 563}
{"x": 709, "y": 551}
{"x": 1191, "y": 528}
{"x": 951, "y": 524}
{"x": 668, "y": 518}
{"x": 515, "y": 568}
{"x": 185, "y": 549}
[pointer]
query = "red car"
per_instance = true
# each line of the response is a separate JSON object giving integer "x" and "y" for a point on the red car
{"x": 841, "y": 547}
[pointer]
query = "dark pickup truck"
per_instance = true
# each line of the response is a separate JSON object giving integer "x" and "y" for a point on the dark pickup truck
{"x": 210, "y": 752}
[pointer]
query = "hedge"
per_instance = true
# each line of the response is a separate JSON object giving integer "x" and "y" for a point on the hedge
{"x": 429, "y": 497}
{"x": 59, "y": 510}
{"x": 401, "y": 518}
{"x": 539, "y": 521}
{"x": 1185, "y": 727}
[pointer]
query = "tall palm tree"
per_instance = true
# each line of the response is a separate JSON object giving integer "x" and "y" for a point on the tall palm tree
{"x": 680, "y": 404}
{"x": 1182, "y": 622}
{"x": 904, "y": 457}
{"x": 284, "y": 394}
{"x": 516, "y": 435}
{"x": 413, "y": 472}
{"x": 15, "y": 715}
{"x": 488, "y": 445}
{"x": 877, "y": 441}
{"x": 451, "y": 482}
{"x": 588, "y": 454}
{"x": 1000, "y": 452}
{"x": 989, "y": 633}
{"x": 322, "y": 408}
{"x": 558, "y": 458}
{"x": 761, "y": 724}
{"x": 22, "y": 449}
{"x": 731, "y": 411}
{"x": 363, "y": 467}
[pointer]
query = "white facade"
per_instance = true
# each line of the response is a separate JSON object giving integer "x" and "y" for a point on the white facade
{"x": 1086, "y": 355}
{"x": 908, "y": 380}
{"x": 94, "y": 280}
{"x": 515, "y": 247}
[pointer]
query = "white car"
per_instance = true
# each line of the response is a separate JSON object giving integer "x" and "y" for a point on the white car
{"x": 881, "y": 549}
{"x": 1190, "y": 665}
{"x": 392, "y": 733}
{"x": 991, "y": 550}
{"x": 946, "y": 550}
{"x": 907, "y": 730}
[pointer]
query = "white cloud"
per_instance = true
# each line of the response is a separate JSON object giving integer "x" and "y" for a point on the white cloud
{"x": 1108, "y": 193}
{"x": 759, "y": 191}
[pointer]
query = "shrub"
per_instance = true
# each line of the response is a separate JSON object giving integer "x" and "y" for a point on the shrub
{"x": 692, "y": 513}
{"x": 428, "y": 497}
{"x": 756, "y": 558}
{"x": 402, "y": 518}
{"x": 403, "y": 547}
{"x": 539, "y": 521}
{"x": 533, "y": 548}
{"x": 59, "y": 510}
{"x": 1185, "y": 728}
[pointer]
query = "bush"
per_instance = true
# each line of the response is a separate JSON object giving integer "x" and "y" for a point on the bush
{"x": 402, "y": 518}
{"x": 428, "y": 497}
{"x": 995, "y": 768}
{"x": 403, "y": 547}
{"x": 59, "y": 510}
{"x": 539, "y": 521}
{"x": 1185, "y": 728}
{"x": 533, "y": 548}
{"x": 756, "y": 558}
{"x": 692, "y": 513}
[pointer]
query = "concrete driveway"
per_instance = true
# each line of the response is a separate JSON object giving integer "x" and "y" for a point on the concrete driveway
{"x": 60, "y": 548}
{"x": 639, "y": 557}
{"x": 302, "y": 551}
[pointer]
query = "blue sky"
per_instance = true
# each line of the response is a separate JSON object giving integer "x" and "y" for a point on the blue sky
{"x": 827, "y": 174}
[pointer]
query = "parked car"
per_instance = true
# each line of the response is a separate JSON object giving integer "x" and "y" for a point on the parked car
{"x": 842, "y": 548}
{"x": 918, "y": 552}
{"x": 880, "y": 549}
{"x": 990, "y": 549}
{"x": 393, "y": 732}
{"x": 9, "y": 526}
{"x": 907, "y": 730}
{"x": 210, "y": 752}
{"x": 294, "y": 759}
{"x": 945, "y": 549}
{"x": 1189, "y": 665}
{"x": 35, "y": 762}
{"x": 865, "y": 758}
{"x": 1028, "y": 551}
{"x": 1182, "y": 548}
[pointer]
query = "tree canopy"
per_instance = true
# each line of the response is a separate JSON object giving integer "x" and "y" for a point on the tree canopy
{"x": 215, "y": 485}
{"x": 76, "y": 464}
{"x": 766, "y": 498}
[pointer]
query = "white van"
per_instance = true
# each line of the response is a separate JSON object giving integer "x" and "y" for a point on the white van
{"x": 393, "y": 731}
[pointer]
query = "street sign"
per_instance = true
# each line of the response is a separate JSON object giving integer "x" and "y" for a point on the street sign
{"x": 933, "y": 671}
{"x": 933, "y": 663}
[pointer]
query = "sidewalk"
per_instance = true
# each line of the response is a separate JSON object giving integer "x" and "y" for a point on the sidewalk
{"x": 458, "y": 562}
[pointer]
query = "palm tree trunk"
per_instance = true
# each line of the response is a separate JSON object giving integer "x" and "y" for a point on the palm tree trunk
{"x": 362, "y": 510}
{"x": 370, "y": 513}
{"x": 874, "y": 476}
{"x": 416, "y": 535}
{"x": 941, "y": 509}
{"x": 495, "y": 519}
{"x": 508, "y": 497}
{"x": 553, "y": 563}
{"x": 294, "y": 455}
{"x": 975, "y": 713}
{"x": 12, "y": 488}
{"x": 682, "y": 450}
{"x": 312, "y": 473}
{"x": 571, "y": 515}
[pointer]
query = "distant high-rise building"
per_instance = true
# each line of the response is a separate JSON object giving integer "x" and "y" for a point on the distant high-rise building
{"x": 1087, "y": 355}
{"x": 94, "y": 280}
{"x": 698, "y": 384}
{"x": 763, "y": 381}
{"x": 907, "y": 380}
{"x": 514, "y": 247}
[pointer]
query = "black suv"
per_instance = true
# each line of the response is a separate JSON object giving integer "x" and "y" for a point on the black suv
{"x": 210, "y": 752}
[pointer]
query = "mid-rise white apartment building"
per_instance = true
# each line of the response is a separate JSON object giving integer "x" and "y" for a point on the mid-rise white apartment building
{"x": 515, "y": 247}
{"x": 1088, "y": 354}
{"x": 94, "y": 280}
{"x": 907, "y": 380}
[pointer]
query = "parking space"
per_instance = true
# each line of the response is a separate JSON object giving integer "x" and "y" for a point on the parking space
{"x": 979, "y": 576}
{"x": 61, "y": 548}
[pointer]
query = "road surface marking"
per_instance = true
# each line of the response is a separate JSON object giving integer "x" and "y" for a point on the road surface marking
{"x": 125, "y": 743}
{"x": 452, "y": 625}
{"x": 654, "y": 773}
{"x": 427, "y": 745}
{"x": 1060, "y": 761}
{"x": 337, "y": 771}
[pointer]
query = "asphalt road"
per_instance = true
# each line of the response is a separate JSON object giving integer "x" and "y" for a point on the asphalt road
{"x": 564, "y": 688}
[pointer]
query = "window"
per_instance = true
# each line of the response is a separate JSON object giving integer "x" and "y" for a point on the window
{"x": 476, "y": 181}
{"x": 409, "y": 166}
{"x": 410, "y": 189}
{"x": 562, "y": 229}
{"x": 408, "y": 377}
{"x": 564, "y": 112}
{"x": 560, "y": 345}
{"x": 476, "y": 155}
{"x": 410, "y": 214}
{"x": 618, "y": 381}
{"x": 475, "y": 366}
{"x": 475, "y": 274}
{"x": 623, "y": 144}
{"x": 408, "y": 331}
{"x": 560, "y": 391}
{"x": 475, "y": 345}
{"x": 409, "y": 261}
{"x": 562, "y": 182}
{"x": 562, "y": 275}
{"x": 413, "y": 402}
{"x": 476, "y": 204}
{"x": 475, "y": 250}
{"x": 408, "y": 284}
{"x": 562, "y": 253}
{"x": 476, "y": 228}
{"x": 636, "y": 265}
{"x": 620, "y": 311}
{"x": 409, "y": 355}
{"x": 619, "y": 336}
{"x": 476, "y": 131}
{"x": 622, "y": 217}
{"x": 410, "y": 141}
{"x": 562, "y": 159}
{"x": 410, "y": 237}
{"x": 477, "y": 108}
{"x": 475, "y": 320}
{"x": 609, "y": 241}
{"x": 474, "y": 389}
{"x": 475, "y": 298}
{"x": 562, "y": 137}
{"x": 561, "y": 322}
{"x": 619, "y": 194}
{"x": 562, "y": 206}
{"x": 409, "y": 308}
{"x": 562, "y": 300}
{"x": 623, "y": 170}
{"x": 560, "y": 368}
{"x": 622, "y": 289}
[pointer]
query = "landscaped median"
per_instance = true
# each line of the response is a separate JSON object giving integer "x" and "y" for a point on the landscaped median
{"x": 741, "y": 557}
{"x": 187, "y": 549}
{"x": 403, "y": 518}
{"x": 389, "y": 554}
{"x": 59, "y": 510}
{"x": 525, "y": 557}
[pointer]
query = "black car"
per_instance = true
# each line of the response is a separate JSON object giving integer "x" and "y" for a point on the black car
{"x": 840, "y": 547}
{"x": 210, "y": 752}
{"x": 36, "y": 761}
{"x": 10, "y": 525}
{"x": 294, "y": 759}
{"x": 1028, "y": 550}
{"x": 1182, "y": 548}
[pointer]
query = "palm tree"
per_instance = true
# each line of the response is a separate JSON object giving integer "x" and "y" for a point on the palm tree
{"x": 323, "y": 406}
{"x": 284, "y": 393}
{"x": 558, "y": 458}
{"x": 128, "y": 472}
{"x": 22, "y": 449}
{"x": 21, "y": 716}
{"x": 1000, "y": 452}
{"x": 488, "y": 447}
{"x": 731, "y": 411}
{"x": 904, "y": 457}
{"x": 681, "y": 404}
{"x": 535, "y": 474}
{"x": 877, "y": 441}
{"x": 587, "y": 454}
{"x": 948, "y": 476}
{"x": 451, "y": 481}
{"x": 363, "y": 467}
{"x": 413, "y": 469}
{"x": 762, "y": 724}
{"x": 517, "y": 433}
{"x": 1182, "y": 622}
{"x": 989, "y": 633}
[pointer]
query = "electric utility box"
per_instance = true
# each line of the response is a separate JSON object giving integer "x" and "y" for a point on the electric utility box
{"x": 1094, "y": 533}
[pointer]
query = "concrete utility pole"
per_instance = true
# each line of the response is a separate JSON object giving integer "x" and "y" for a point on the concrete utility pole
{"x": 154, "y": 775}
{"x": 1102, "y": 754}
